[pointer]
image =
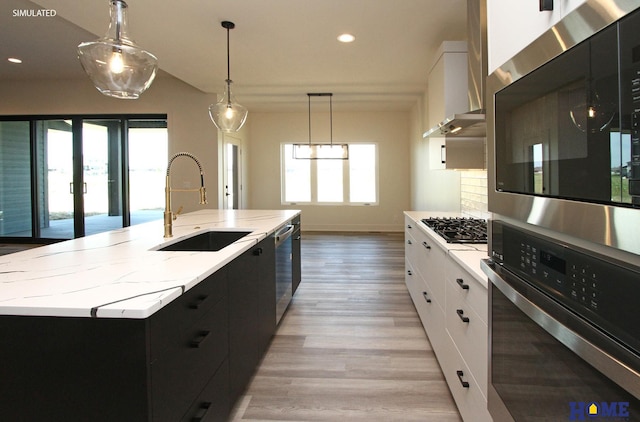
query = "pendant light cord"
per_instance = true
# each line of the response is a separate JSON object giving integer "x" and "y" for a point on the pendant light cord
{"x": 228, "y": 25}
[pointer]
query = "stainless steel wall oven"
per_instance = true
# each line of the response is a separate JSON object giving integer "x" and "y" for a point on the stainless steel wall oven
{"x": 563, "y": 124}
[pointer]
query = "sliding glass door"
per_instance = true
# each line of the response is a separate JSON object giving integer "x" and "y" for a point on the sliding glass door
{"x": 70, "y": 177}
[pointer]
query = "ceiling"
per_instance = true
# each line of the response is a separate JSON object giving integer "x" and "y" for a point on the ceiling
{"x": 280, "y": 49}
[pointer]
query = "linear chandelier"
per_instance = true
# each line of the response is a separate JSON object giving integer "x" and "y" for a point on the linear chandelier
{"x": 321, "y": 151}
{"x": 115, "y": 64}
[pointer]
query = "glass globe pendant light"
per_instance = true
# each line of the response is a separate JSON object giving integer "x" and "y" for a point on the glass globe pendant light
{"x": 227, "y": 114}
{"x": 115, "y": 64}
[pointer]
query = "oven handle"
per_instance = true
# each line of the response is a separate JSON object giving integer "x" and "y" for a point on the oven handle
{"x": 617, "y": 371}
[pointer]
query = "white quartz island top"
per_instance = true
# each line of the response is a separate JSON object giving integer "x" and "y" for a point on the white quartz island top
{"x": 466, "y": 255}
{"x": 119, "y": 274}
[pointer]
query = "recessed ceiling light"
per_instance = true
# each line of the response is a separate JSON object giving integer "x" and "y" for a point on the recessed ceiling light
{"x": 14, "y": 60}
{"x": 346, "y": 38}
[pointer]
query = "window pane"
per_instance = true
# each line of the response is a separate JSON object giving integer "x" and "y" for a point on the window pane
{"x": 297, "y": 177}
{"x": 362, "y": 173}
{"x": 15, "y": 179}
{"x": 55, "y": 140}
{"x": 148, "y": 161}
{"x": 330, "y": 181}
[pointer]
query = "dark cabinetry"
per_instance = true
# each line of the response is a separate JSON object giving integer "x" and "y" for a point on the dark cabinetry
{"x": 187, "y": 362}
{"x": 252, "y": 311}
{"x": 78, "y": 369}
{"x": 296, "y": 257}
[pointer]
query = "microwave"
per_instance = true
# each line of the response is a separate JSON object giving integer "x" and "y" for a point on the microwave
{"x": 563, "y": 143}
{"x": 569, "y": 129}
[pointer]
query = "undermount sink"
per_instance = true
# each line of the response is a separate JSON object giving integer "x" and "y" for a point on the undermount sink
{"x": 209, "y": 241}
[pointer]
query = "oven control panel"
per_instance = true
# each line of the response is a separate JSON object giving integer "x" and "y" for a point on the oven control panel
{"x": 604, "y": 292}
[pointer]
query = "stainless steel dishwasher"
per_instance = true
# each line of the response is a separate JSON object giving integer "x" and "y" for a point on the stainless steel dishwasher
{"x": 284, "y": 269}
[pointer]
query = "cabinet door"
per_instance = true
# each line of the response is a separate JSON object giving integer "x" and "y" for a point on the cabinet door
{"x": 244, "y": 354}
{"x": 266, "y": 259}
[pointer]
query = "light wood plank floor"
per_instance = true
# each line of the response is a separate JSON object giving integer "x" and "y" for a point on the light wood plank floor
{"x": 350, "y": 347}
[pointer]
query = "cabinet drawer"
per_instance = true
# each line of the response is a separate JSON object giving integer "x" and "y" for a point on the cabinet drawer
{"x": 471, "y": 403}
{"x": 213, "y": 404}
{"x": 428, "y": 308}
{"x": 466, "y": 288}
{"x": 470, "y": 335}
{"x": 188, "y": 363}
{"x": 171, "y": 321}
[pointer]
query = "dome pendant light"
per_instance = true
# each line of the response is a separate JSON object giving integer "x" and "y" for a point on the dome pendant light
{"x": 227, "y": 114}
{"x": 115, "y": 64}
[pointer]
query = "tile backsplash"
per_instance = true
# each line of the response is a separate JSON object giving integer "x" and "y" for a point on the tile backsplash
{"x": 473, "y": 194}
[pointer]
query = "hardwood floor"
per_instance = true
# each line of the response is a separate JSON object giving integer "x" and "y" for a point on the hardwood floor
{"x": 351, "y": 346}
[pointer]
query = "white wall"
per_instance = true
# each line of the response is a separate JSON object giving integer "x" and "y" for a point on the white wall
{"x": 390, "y": 130}
{"x": 189, "y": 126}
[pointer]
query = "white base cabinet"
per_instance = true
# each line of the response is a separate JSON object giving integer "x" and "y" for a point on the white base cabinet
{"x": 453, "y": 308}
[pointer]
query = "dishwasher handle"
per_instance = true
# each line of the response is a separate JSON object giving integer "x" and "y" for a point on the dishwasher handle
{"x": 283, "y": 234}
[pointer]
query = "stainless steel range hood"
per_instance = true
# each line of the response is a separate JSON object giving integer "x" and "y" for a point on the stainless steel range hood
{"x": 471, "y": 124}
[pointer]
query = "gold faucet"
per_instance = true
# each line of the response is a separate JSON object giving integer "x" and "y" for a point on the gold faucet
{"x": 168, "y": 215}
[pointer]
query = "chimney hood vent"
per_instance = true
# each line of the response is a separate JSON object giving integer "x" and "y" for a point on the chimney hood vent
{"x": 470, "y": 124}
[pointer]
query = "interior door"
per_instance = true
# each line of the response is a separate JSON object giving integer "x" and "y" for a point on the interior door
{"x": 231, "y": 182}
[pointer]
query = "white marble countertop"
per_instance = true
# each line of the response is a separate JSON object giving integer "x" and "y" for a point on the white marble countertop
{"x": 465, "y": 254}
{"x": 119, "y": 274}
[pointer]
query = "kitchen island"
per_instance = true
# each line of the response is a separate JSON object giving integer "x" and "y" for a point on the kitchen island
{"x": 109, "y": 327}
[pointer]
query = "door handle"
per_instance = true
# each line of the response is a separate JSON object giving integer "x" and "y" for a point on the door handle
{"x": 464, "y": 383}
{"x": 84, "y": 187}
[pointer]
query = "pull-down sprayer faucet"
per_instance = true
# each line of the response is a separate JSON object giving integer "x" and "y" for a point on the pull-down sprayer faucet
{"x": 168, "y": 214}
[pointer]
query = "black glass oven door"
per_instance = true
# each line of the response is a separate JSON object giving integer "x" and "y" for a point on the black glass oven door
{"x": 542, "y": 370}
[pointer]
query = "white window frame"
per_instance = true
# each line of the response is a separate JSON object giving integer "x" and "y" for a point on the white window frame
{"x": 314, "y": 180}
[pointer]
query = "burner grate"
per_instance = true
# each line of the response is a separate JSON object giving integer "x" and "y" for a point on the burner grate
{"x": 459, "y": 230}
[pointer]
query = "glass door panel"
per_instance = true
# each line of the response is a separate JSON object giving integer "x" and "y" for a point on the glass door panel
{"x": 101, "y": 175}
{"x": 15, "y": 179}
{"x": 55, "y": 145}
{"x": 148, "y": 162}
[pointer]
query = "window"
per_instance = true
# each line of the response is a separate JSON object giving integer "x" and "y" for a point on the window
{"x": 330, "y": 182}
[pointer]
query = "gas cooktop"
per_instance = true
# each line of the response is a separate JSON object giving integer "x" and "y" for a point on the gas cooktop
{"x": 459, "y": 230}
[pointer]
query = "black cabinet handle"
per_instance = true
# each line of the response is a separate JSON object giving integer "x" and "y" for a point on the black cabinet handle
{"x": 460, "y": 313}
{"x": 257, "y": 251}
{"x": 409, "y": 272}
{"x": 409, "y": 242}
{"x": 461, "y": 284}
{"x": 200, "y": 338}
{"x": 198, "y": 302}
{"x": 426, "y": 297}
{"x": 409, "y": 226}
{"x": 426, "y": 245}
{"x": 460, "y": 374}
{"x": 202, "y": 412}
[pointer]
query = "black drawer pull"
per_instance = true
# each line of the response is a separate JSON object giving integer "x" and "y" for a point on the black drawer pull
{"x": 202, "y": 412}
{"x": 196, "y": 304}
{"x": 460, "y": 313}
{"x": 461, "y": 284}
{"x": 460, "y": 374}
{"x": 409, "y": 226}
{"x": 426, "y": 297}
{"x": 200, "y": 338}
{"x": 426, "y": 245}
{"x": 409, "y": 242}
{"x": 409, "y": 272}
{"x": 257, "y": 251}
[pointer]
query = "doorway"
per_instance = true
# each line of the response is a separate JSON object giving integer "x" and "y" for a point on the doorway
{"x": 231, "y": 173}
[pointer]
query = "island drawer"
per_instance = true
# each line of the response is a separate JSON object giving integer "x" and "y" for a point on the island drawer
{"x": 188, "y": 363}
{"x": 213, "y": 404}
{"x": 172, "y": 321}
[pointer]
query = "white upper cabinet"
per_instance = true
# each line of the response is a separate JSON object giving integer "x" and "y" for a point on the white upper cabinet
{"x": 512, "y": 25}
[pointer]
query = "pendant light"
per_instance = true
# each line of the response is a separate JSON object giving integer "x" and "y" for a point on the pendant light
{"x": 321, "y": 151}
{"x": 227, "y": 114}
{"x": 115, "y": 64}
